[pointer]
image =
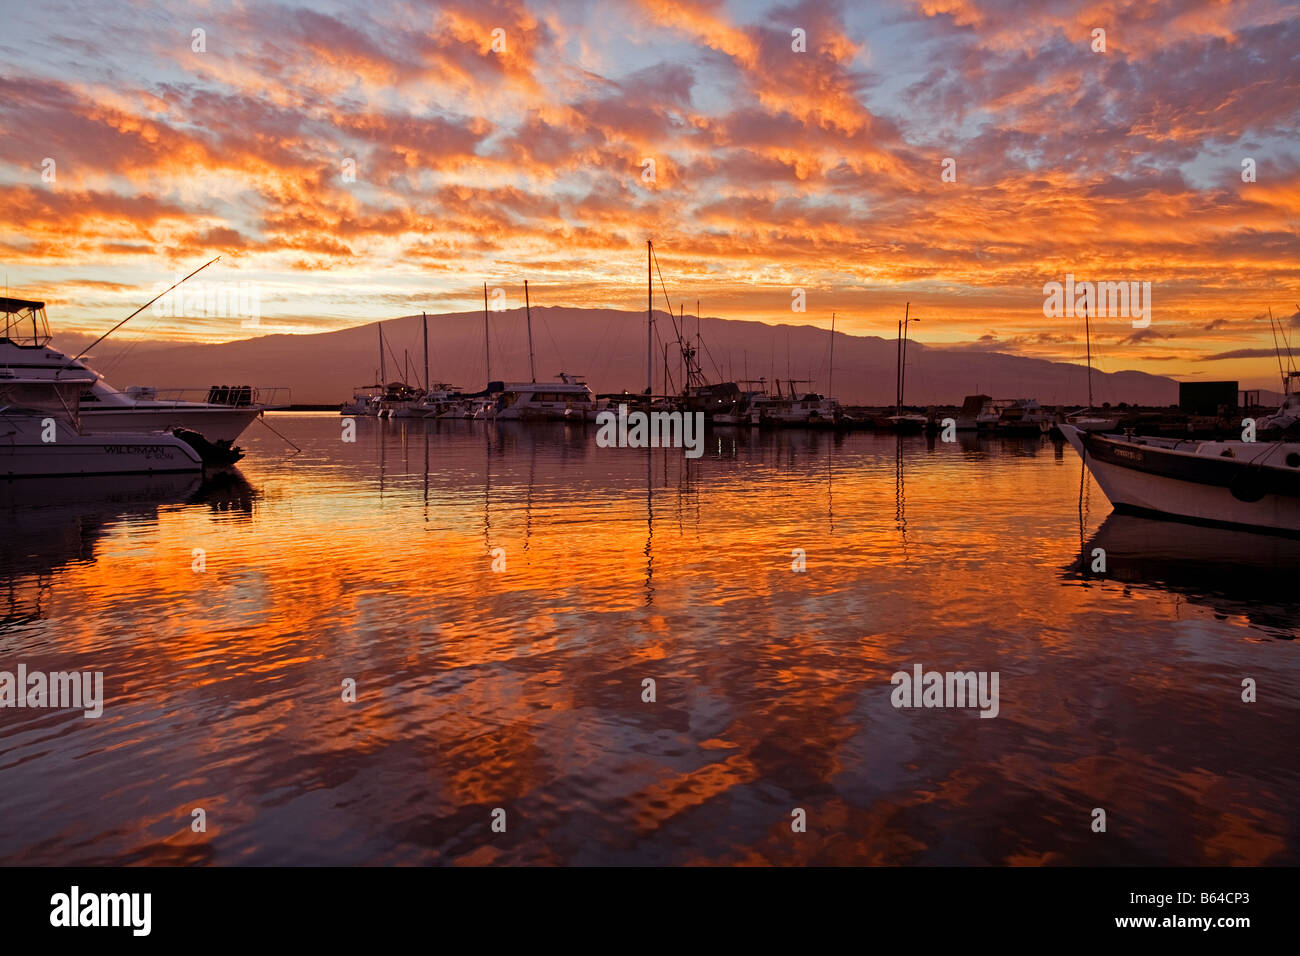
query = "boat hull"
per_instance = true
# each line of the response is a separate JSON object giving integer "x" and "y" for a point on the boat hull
{"x": 1205, "y": 491}
{"x": 73, "y": 455}
{"x": 215, "y": 422}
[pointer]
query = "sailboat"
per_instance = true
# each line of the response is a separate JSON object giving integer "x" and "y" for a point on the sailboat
{"x": 1086, "y": 419}
{"x": 1285, "y": 422}
{"x": 911, "y": 423}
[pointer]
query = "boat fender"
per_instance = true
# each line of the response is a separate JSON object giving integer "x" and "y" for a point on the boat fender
{"x": 1247, "y": 485}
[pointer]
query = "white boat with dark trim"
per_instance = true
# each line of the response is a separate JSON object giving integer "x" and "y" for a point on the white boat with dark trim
{"x": 41, "y": 435}
{"x": 1227, "y": 483}
{"x": 222, "y": 414}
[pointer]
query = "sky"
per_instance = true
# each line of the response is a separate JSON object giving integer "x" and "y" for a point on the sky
{"x": 352, "y": 162}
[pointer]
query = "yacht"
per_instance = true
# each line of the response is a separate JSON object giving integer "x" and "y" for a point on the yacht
{"x": 365, "y": 401}
{"x": 41, "y": 434}
{"x": 222, "y": 414}
{"x": 569, "y": 399}
{"x": 1023, "y": 416}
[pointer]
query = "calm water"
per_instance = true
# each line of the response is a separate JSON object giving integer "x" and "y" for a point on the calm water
{"x": 522, "y": 689}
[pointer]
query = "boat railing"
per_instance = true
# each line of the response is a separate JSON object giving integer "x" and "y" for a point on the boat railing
{"x": 234, "y": 396}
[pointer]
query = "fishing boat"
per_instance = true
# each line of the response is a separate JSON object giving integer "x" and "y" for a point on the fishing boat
{"x": 41, "y": 435}
{"x": 220, "y": 412}
{"x": 1223, "y": 483}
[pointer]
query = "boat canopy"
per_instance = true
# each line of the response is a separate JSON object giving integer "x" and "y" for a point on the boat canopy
{"x": 24, "y": 323}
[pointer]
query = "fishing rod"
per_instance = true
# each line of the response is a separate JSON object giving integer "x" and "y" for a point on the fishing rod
{"x": 139, "y": 310}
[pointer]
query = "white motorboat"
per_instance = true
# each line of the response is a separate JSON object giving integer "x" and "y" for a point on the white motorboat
{"x": 1229, "y": 483}
{"x": 1023, "y": 416}
{"x": 569, "y": 399}
{"x": 222, "y": 412}
{"x": 365, "y": 401}
{"x": 790, "y": 408}
{"x": 41, "y": 435}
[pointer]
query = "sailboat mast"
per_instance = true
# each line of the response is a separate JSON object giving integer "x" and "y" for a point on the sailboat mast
{"x": 830, "y": 375}
{"x": 649, "y": 318}
{"x": 424, "y": 317}
{"x": 383, "y": 366}
{"x": 532, "y": 371}
{"x": 902, "y": 367}
{"x": 1087, "y": 336}
{"x": 487, "y": 341}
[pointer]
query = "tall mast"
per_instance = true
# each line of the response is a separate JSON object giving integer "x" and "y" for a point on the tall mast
{"x": 698, "y": 342}
{"x": 649, "y": 318}
{"x": 529, "y": 312}
{"x": 487, "y": 342}
{"x": 902, "y": 368}
{"x": 830, "y": 375}
{"x": 898, "y": 368}
{"x": 383, "y": 367}
{"x": 425, "y": 318}
{"x": 1087, "y": 337}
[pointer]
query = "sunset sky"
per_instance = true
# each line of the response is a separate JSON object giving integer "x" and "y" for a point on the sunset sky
{"x": 774, "y": 169}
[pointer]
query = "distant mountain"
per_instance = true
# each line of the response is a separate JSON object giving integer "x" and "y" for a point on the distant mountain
{"x": 609, "y": 348}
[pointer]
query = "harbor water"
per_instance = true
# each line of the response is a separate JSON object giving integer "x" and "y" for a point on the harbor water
{"x": 570, "y": 654}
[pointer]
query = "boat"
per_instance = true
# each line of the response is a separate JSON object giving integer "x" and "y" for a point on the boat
{"x": 790, "y": 408}
{"x": 220, "y": 412}
{"x": 41, "y": 435}
{"x": 904, "y": 423}
{"x": 1087, "y": 419}
{"x": 1023, "y": 417}
{"x": 1222, "y": 483}
{"x": 567, "y": 399}
{"x": 365, "y": 401}
{"x": 975, "y": 410}
{"x": 440, "y": 399}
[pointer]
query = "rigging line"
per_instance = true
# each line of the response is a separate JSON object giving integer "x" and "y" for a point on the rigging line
{"x": 667, "y": 301}
{"x": 1276, "y": 350}
{"x": 296, "y": 449}
{"x": 1286, "y": 342}
{"x": 674, "y": 318}
{"x": 555, "y": 345}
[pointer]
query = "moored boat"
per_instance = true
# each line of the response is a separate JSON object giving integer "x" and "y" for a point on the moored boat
{"x": 220, "y": 412}
{"x": 1228, "y": 483}
{"x": 40, "y": 435}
